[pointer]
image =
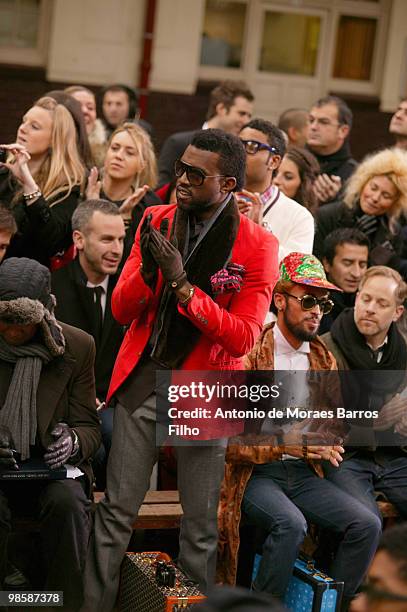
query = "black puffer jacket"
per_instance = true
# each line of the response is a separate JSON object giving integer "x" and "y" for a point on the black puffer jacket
{"x": 43, "y": 230}
{"x": 387, "y": 245}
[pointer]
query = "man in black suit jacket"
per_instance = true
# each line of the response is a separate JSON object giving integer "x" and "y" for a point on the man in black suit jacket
{"x": 230, "y": 108}
{"x": 98, "y": 235}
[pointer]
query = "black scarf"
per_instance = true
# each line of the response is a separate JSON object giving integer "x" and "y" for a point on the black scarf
{"x": 331, "y": 164}
{"x": 177, "y": 336}
{"x": 368, "y": 383}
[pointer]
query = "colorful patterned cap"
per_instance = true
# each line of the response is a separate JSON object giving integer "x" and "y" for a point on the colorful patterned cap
{"x": 305, "y": 270}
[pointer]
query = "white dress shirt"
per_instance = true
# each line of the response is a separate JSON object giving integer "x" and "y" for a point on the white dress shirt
{"x": 103, "y": 297}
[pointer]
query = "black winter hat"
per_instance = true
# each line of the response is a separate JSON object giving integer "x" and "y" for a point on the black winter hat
{"x": 21, "y": 277}
{"x": 25, "y": 297}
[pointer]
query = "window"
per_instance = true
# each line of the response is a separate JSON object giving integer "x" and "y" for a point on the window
{"x": 19, "y": 20}
{"x": 355, "y": 43}
{"x": 223, "y": 33}
{"x": 24, "y": 26}
{"x": 290, "y": 43}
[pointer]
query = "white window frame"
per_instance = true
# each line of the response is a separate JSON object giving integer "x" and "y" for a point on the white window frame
{"x": 220, "y": 73}
{"x": 296, "y": 10}
{"x": 330, "y": 12}
{"x": 31, "y": 56}
{"x": 375, "y": 10}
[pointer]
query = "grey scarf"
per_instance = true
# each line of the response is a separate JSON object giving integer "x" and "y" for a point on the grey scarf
{"x": 19, "y": 412}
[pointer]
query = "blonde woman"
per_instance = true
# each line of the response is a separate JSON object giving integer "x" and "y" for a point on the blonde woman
{"x": 41, "y": 181}
{"x": 375, "y": 202}
{"x": 129, "y": 175}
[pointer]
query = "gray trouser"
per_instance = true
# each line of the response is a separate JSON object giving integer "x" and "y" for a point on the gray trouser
{"x": 133, "y": 454}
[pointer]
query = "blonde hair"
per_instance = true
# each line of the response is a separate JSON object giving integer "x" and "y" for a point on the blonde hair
{"x": 401, "y": 292}
{"x": 391, "y": 163}
{"x": 62, "y": 169}
{"x": 145, "y": 150}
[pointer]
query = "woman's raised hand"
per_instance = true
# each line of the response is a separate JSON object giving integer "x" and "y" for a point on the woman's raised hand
{"x": 129, "y": 203}
{"x": 94, "y": 185}
{"x": 19, "y": 166}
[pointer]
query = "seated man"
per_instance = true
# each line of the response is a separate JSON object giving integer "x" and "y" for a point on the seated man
{"x": 83, "y": 290}
{"x": 346, "y": 254}
{"x": 281, "y": 490}
{"x": 47, "y": 399}
{"x": 366, "y": 339}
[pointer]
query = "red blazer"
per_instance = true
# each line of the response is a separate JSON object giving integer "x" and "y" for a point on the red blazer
{"x": 230, "y": 323}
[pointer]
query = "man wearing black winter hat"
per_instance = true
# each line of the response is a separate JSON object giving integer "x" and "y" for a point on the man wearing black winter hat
{"x": 47, "y": 414}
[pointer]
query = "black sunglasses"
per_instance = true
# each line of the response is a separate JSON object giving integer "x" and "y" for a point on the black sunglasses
{"x": 308, "y": 302}
{"x": 195, "y": 176}
{"x": 252, "y": 146}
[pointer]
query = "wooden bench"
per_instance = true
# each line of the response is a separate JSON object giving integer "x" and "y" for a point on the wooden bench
{"x": 160, "y": 510}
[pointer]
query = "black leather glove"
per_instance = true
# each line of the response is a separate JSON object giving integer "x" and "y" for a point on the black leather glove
{"x": 61, "y": 450}
{"x": 367, "y": 224}
{"x": 168, "y": 258}
{"x": 7, "y": 460}
{"x": 149, "y": 269}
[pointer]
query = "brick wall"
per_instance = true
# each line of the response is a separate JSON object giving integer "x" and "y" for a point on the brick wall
{"x": 169, "y": 113}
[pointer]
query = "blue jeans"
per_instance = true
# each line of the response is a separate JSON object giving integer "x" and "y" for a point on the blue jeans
{"x": 361, "y": 477}
{"x": 281, "y": 497}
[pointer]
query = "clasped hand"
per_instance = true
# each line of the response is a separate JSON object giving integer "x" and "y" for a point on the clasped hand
{"x": 316, "y": 447}
{"x": 159, "y": 252}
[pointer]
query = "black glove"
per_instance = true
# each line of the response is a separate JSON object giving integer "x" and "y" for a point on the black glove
{"x": 367, "y": 224}
{"x": 7, "y": 460}
{"x": 149, "y": 269}
{"x": 168, "y": 258}
{"x": 60, "y": 451}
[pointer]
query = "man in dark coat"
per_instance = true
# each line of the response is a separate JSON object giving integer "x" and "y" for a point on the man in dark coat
{"x": 47, "y": 416}
{"x": 230, "y": 108}
{"x": 366, "y": 342}
{"x": 345, "y": 260}
{"x": 328, "y": 139}
{"x": 98, "y": 235}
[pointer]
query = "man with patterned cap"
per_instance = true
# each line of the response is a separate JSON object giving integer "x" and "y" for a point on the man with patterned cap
{"x": 283, "y": 488}
{"x": 47, "y": 417}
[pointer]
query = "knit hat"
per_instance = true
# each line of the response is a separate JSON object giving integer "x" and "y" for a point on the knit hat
{"x": 305, "y": 269}
{"x": 25, "y": 297}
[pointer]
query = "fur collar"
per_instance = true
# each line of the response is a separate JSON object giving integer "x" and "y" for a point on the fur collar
{"x": 27, "y": 311}
{"x": 98, "y": 135}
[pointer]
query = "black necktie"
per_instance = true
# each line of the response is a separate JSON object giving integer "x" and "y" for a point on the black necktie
{"x": 98, "y": 292}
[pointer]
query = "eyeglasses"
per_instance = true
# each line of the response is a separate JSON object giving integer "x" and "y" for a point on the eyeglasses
{"x": 308, "y": 302}
{"x": 195, "y": 176}
{"x": 377, "y": 594}
{"x": 252, "y": 146}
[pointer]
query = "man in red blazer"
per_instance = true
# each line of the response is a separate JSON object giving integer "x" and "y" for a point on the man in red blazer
{"x": 194, "y": 291}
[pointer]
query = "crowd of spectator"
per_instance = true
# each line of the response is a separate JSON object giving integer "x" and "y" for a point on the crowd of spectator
{"x": 241, "y": 240}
